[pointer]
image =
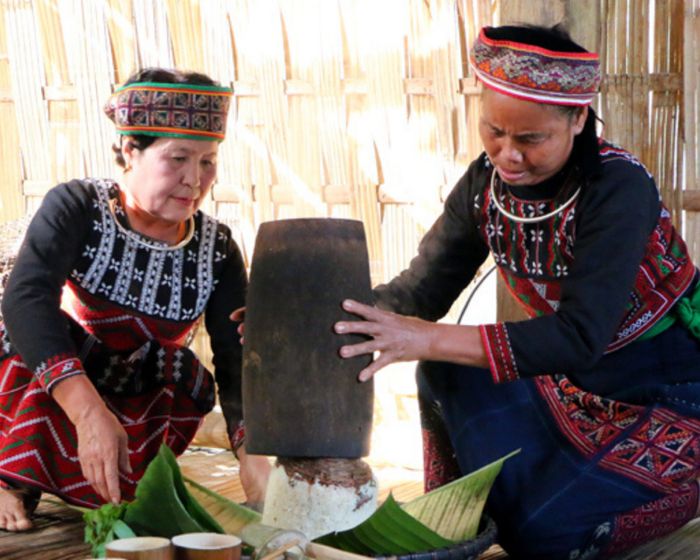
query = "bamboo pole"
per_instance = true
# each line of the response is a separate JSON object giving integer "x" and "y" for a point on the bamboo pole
{"x": 26, "y": 68}
{"x": 122, "y": 39}
{"x": 303, "y": 59}
{"x": 691, "y": 132}
{"x": 185, "y": 26}
{"x": 356, "y": 105}
{"x": 363, "y": 170}
{"x": 12, "y": 200}
{"x": 153, "y": 46}
{"x": 87, "y": 44}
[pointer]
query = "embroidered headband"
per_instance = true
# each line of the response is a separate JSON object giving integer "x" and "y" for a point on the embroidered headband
{"x": 534, "y": 73}
{"x": 177, "y": 110}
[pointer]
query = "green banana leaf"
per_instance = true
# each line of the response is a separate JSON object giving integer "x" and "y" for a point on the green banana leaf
{"x": 192, "y": 506}
{"x": 163, "y": 507}
{"x": 454, "y": 510}
{"x": 445, "y": 516}
{"x": 389, "y": 530}
{"x": 167, "y": 504}
{"x": 231, "y": 516}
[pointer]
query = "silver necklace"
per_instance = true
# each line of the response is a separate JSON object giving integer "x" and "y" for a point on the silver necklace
{"x": 139, "y": 239}
{"x": 523, "y": 219}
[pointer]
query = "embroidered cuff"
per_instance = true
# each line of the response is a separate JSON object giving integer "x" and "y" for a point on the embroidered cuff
{"x": 499, "y": 352}
{"x": 57, "y": 368}
{"x": 237, "y": 437}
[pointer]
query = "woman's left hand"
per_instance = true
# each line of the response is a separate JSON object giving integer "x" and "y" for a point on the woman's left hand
{"x": 397, "y": 338}
{"x": 238, "y": 316}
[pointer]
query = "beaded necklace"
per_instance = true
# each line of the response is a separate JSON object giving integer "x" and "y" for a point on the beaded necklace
{"x": 524, "y": 219}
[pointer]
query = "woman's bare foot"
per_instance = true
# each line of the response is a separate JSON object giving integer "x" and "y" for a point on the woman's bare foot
{"x": 13, "y": 513}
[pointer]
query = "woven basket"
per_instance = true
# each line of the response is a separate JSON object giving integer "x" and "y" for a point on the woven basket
{"x": 467, "y": 550}
{"x": 11, "y": 236}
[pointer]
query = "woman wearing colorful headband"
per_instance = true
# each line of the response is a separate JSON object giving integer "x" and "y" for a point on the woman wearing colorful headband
{"x": 109, "y": 284}
{"x": 600, "y": 388}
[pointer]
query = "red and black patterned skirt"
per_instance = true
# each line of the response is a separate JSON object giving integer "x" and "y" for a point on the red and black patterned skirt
{"x": 159, "y": 392}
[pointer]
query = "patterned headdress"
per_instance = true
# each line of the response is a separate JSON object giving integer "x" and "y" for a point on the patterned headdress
{"x": 534, "y": 73}
{"x": 164, "y": 109}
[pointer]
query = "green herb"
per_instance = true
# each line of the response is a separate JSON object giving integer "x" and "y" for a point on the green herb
{"x": 105, "y": 524}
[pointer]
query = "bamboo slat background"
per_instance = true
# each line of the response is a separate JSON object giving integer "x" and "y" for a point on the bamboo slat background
{"x": 348, "y": 108}
{"x": 345, "y": 108}
{"x": 691, "y": 130}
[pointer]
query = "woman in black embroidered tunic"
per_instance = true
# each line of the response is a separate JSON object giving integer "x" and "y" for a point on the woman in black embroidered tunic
{"x": 109, "y": 284}
{"x": 600, "y": 388}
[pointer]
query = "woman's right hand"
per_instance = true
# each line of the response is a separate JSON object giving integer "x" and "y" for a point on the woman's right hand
{"x": 102, "y": 441}
{"x": 102, "y": 450}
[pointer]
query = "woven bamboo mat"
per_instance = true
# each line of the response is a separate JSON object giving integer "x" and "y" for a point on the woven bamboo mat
{"x": 58, "y": 534}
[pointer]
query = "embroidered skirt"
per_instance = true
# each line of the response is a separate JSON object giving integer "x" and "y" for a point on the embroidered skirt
{"x": 598, "y": 472}
{"x": 159, "y": 393}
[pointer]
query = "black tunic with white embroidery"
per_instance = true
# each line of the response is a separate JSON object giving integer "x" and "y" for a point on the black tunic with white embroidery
{"x": 90, "y": 296}
{"x": 594, "y": 277}
{"x": 607, "y": 421}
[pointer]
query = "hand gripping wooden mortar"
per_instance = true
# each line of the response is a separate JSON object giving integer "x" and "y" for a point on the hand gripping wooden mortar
{"x": 302, "y": 402}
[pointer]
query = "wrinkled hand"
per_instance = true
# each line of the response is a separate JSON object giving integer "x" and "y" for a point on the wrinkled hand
{"x": 255, "y": 471}
{"x": 397, "y": 338}
{"x": 102, "y": 451}
{"x": 238, "y": 316}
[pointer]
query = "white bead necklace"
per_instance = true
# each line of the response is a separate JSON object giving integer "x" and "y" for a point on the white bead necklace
{"x": 523, "y": 219}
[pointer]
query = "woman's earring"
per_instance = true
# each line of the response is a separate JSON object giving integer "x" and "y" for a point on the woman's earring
{"x": 127, "y": 168}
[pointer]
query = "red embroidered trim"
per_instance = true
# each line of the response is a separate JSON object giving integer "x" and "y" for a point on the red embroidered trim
{"x": 661, "y": 451}
{"x": 665, "y": 272}
{"x": 534, "y": 73}
{"x": 588, "y": 421}
{"x": 653, "y": 520}
{"x": 499, "y": 352}
{"x": 57, "y": 368}
{"x": 439, "y": 461}
{"x": 237, "y": 438}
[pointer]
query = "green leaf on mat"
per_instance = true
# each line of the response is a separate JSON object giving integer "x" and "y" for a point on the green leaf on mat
{"x": 454, "y": 510}
{"x": 231, "y": 516}
{"x": 195, "y": 510}
{"x": 164, "y": 507}
{"x": 161, "y": 504}
{"x": 389, "y": 530}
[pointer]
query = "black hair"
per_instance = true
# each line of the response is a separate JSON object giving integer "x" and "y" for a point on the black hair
{"x": 586, "y": 151}
{"x": 162, "y": 75}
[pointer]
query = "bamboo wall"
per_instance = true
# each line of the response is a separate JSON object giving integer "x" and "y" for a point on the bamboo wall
{"x": 354, "y": 108}
{"x": 691, "y": 126}
{"x": 648, "y": 100}
{"x": 346, "y": 108}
